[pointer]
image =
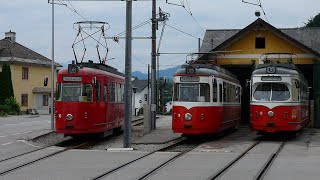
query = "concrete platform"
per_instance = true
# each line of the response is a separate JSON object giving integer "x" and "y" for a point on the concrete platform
{"x": 162, "y": 134}
{"x": 158, "y": 136}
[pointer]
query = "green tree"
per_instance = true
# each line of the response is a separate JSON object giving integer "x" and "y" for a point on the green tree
{"x": 165, "y": 93}
{"x": 313, "y": 21}
{"x": 6, "y": 89}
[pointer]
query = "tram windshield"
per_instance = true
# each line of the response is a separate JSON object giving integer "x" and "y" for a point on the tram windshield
{"x": 271, "y": 92}
{"x": 74, "y": 92}
{"x": 191, "y": 92}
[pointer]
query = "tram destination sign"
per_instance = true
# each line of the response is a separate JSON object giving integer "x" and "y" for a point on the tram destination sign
{"x": 72, "y": 78}
{"x": 271, "y": 78}
{"x": 190, "y": 79}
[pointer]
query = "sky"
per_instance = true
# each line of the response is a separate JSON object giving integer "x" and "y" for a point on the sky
{"x": 32, "y": 21}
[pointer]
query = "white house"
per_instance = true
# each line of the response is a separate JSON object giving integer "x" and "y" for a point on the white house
{"x": 168, "y": 106}
{"x": 140, "y": 96}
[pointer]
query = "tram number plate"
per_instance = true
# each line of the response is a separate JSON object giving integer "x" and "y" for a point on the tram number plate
{"x": 187, "y": 126}
{"x": 270, "y": 124}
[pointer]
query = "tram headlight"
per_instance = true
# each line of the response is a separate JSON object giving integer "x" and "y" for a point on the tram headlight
{"x": 188, "y": 117}
{"x": 69, "y": 117}
{"x": 270, "y": 114}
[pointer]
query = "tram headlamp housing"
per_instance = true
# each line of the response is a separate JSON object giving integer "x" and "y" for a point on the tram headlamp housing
{"x": 270, "y": 114}
{"x": 72, "y": 68}
{"x": 69, "y": 117}
{"x": 187, "y": 116}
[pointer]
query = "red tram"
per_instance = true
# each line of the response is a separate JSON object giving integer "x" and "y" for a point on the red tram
{"x": 279, "y": 98}
{"x": 206, "y": 100}
{"x": 89, "y": 99}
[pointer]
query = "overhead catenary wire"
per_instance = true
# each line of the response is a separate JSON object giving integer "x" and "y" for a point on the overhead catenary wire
{"x": 257, "y": 4}
{"x": 75, "y": 11}
{"x": 179, "y": 30}
{"x": 135, "y": 27}
{"x": 263, "y": 11}
{"x": 189, "y": 12}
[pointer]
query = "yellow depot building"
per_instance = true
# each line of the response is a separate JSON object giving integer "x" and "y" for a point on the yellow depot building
{"x": 239, "y": 50}
{"x": 29, "y": 69}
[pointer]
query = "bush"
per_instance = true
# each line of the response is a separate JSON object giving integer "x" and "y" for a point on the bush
{"x": 10, "y": 106}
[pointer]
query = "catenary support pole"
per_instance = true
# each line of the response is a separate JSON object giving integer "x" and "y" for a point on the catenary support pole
{"x": 153, "y": 67}
{"x": 128, "y": 82}
{"x": 52, "y": 70}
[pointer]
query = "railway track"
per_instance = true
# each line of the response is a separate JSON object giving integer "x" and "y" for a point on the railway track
{"x": 261, "y": 173}
{"x": 182, "y": 145}
{"x": 73, "y": 146}
{"x": 181, "y": 141}
{"x": 67, "y": 143}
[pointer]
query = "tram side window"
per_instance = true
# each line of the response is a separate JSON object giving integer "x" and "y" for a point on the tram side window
{"x": 204, "y": 93}
{"x": 105, "y": 93}
{"x": 86, "y": 92}
{"x": 295, "y": 90}
{"x": 224, "y": 92}
{"x": 122, "y": 92}
{"x": 111, "y": 92}
{"x": 58, "y": 92}
{"x": 220, "y": 92}
{"x": 98, "y": 91}
{"x": 175, "y": 92}
{"x": 214, "y": 91}
{"x": 118, "y": 90}
{"x": 238, "y": 94}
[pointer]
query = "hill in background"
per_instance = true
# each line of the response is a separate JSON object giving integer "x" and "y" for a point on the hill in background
{"x": 168, "y": 73}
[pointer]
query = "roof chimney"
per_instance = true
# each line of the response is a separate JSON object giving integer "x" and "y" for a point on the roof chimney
{"x": 11, "y": 36}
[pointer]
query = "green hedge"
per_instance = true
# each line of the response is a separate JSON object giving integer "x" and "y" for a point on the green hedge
{"x": 10, "y": 106}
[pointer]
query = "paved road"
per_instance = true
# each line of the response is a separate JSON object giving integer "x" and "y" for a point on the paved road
{"x": 14, "y": 129}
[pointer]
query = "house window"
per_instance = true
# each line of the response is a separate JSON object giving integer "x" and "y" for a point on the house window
{"x": 260, "y": 43}
{"x": 24, "y": 99}
{"x": 45, "y": 100}
{"x": 25, "y": 73}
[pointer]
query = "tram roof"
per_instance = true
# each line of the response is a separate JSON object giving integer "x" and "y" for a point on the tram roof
{"x": 95, "y": 66}
{"x": 102, "y": 67}
{"x": 207, "y": 69}
{"x": 281, "y": 68}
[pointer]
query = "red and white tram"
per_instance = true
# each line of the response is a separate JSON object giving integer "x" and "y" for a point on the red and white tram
{"x": 89, "y": 99}
{"x": 279, "y": 98}
{"x": 206, "y": 100}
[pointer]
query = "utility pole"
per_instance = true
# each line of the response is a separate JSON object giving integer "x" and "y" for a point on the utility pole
{"x": 52, "y": 64}
{"x": 153, "y": 67}
{"x": 52, "y": 71}
{"x": 128, "y": 83}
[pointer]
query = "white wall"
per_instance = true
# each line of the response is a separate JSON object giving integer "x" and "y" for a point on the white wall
{"x": 139, "y": 100}
{"x": 169, "y": 106}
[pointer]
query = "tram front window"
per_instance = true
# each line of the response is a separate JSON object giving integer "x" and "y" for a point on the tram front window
{"x": 271, "y": 92}
{"x": 71, "y": 92}
{"x": 189, "y": 92}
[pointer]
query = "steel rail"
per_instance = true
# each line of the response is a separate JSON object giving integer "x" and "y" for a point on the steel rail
{"x": 225, "y": 168}
{"x": 4, "y": 172}
{"x": 182, "y": 140}
{"x": 268, "y": 164}
{"x": 153, "y": 171}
